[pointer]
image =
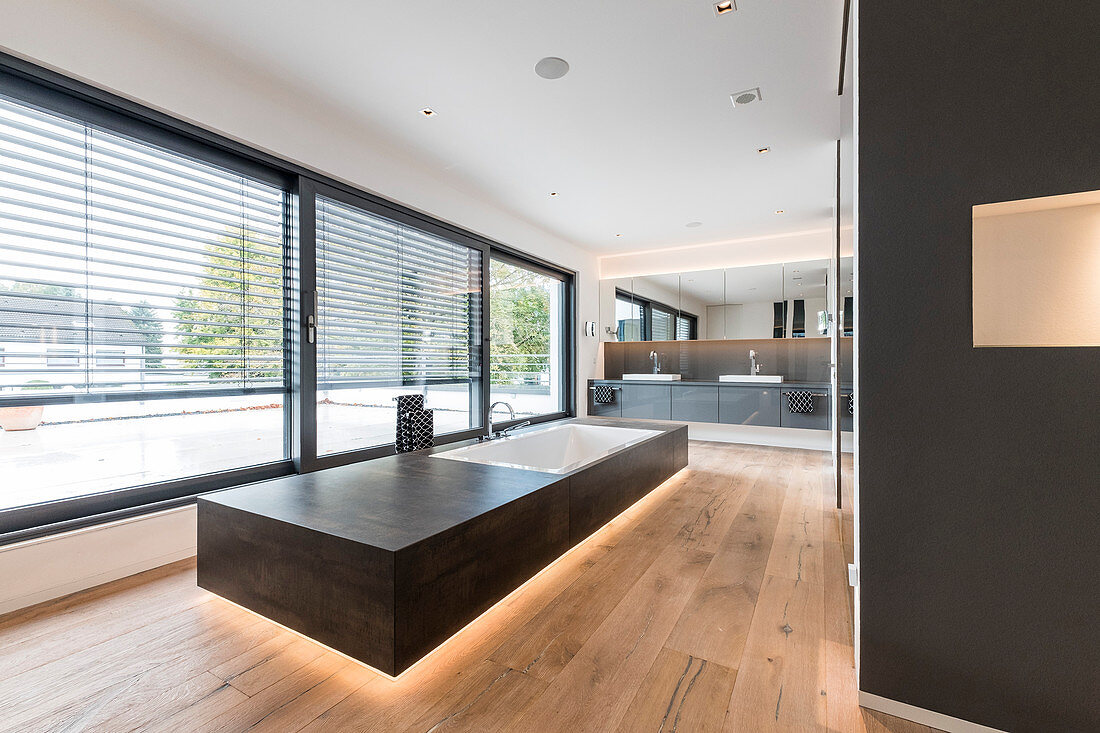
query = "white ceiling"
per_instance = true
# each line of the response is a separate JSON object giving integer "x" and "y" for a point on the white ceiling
{"x": 639, "y": 137}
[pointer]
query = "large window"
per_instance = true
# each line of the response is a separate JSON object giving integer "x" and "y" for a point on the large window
{"x": 180, "y": 313}
{"x": 141, "y": 312}
{"x": 527, "y": 329}
{"x": 398, "y": 312}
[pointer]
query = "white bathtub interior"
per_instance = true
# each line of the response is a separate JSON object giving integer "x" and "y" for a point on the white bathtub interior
{"x": 559, "y": 449}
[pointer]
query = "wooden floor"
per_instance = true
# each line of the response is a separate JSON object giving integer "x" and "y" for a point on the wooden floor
{"x": 719, "y": 602}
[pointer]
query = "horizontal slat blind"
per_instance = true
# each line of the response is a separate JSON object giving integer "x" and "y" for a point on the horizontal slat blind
{"x": 395, "y": 304}
{"x": 128, "y": 268}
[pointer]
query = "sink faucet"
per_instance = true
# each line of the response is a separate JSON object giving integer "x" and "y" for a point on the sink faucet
{"x": 754, "y": 368}
{"x": 656, "y": 362}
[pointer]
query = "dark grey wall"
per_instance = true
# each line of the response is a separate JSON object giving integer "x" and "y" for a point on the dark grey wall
{"x": 979, "y": 468}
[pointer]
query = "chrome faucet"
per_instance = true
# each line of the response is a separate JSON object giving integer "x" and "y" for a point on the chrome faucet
{"x": 656, "y": 362}
{"x": 505, "y": 431}
{"x": 754, "y": 367}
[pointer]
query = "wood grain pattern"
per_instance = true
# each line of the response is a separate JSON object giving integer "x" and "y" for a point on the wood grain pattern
{"x": 686, "y": 613}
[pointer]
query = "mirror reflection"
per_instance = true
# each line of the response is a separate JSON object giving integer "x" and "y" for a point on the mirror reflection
{"x": 784, "y": 300}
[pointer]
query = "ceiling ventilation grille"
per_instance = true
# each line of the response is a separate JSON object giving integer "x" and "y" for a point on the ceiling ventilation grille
{"x": 748, "y": 96}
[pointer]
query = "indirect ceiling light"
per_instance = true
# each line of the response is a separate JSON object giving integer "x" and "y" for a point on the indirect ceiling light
{"x": 428, "y": 112}
{"x": 693, "y": 224}
{"x": 728, "y": 6}
{"x": 763, "y": 150}
{"x": 748, "y": 96}
{"x": 552, "y": 67}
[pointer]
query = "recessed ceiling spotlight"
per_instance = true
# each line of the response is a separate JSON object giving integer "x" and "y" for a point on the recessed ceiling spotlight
{"x": 553, "y": 193}
{"x": 552, "y": 67}
{"x": 748, "y": 96}
{"x": 780, "y": 211}
{"x": 693, "y": 224}
{"x": 428, "y": 112}
{"x": 618, "y": 235}
{"x": 728, "y": 6}
{"x": 763, "y": 150}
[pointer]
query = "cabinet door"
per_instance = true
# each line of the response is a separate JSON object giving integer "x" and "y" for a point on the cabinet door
{"x": 606, "y": 409}
{"x": 647, "y": 401}
{"x": 748, "y": 406}
{"x": 816, "y": 420}
{"x": 696, "y": 403}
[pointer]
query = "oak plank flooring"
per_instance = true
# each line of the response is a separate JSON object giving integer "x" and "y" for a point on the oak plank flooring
{"x": 718, "y": 602}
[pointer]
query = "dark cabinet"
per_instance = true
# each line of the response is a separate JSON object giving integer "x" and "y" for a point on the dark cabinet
{"x": 748, "y": 406}
{"x": 646, "y": 401}
{"x": 695, "y": 403}
{"x": 816, "y": 420}
{"x": 606, "y": 409}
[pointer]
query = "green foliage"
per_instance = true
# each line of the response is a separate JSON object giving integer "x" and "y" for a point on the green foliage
{"x": 519, "y": 323}
{"x": 58, "y": 291}
{"x": 152, "y": 332}
{"x": 225, "y": 321}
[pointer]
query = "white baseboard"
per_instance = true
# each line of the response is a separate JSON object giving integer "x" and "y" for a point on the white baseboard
{"x": 919, "y": 715}
{"x": 50, "y": 567}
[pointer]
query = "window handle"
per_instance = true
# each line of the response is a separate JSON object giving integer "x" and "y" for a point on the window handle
{"x": 311, "y": 329}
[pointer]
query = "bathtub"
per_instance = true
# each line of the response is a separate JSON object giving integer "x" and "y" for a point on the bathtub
{"x": 560, "y": 449}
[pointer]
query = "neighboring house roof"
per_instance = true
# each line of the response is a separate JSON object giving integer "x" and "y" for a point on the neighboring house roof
{"x": 44, "y": 319}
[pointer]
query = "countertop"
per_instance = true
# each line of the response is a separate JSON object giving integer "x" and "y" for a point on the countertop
{"x": 396, "y": 501}
{"x": 705, "y": 382}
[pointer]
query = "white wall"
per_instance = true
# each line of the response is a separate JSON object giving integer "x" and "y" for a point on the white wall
{"x": 794, "y": 247}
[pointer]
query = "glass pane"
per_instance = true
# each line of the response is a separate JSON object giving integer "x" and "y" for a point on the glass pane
{"x": 662, "y": 326}
{"x": 145, "y": 277}
{"x": 398, "y": 312}
{"x": 527, "y": 344}
{"x": 629, "y": 319}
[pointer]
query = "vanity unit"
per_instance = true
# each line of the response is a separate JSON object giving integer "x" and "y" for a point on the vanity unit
{"x": 718, "y": 402}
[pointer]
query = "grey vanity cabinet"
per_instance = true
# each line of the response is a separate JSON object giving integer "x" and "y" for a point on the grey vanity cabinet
{"x": 695, "y": 403}
{"x": 646, "y": 401}
{"x": 816, "y": 420}
{"x": 606, "y": 409}
{"x": 748, "y": 406}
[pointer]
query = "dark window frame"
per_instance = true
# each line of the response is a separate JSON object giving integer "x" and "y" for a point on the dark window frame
{"x": 649, "y": 305}
{"x": 50, "y": 90}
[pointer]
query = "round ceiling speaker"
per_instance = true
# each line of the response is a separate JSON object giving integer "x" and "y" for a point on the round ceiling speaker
{"x": 552, "y": 67}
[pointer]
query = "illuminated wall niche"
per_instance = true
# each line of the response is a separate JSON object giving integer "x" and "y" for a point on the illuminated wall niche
{"x": 1037, "y": 272}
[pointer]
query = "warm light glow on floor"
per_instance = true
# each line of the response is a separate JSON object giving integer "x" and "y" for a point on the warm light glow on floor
{"x": 651, "y": 497}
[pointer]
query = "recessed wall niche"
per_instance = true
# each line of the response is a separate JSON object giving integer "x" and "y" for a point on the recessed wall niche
{"x": 1037, "y": 272}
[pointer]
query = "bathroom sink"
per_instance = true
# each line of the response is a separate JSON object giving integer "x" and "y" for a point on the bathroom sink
{"x": 654, "y": 377}
{"x": 752, "y": 378}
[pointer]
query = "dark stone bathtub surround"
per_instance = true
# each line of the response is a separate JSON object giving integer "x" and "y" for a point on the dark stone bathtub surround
{"x": 385, "y": 560}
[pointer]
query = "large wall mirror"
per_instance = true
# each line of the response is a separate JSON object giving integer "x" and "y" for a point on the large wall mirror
{"x": 781, "y": 300}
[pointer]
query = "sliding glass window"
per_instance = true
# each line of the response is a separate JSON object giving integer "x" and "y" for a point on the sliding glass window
{"x": 141, "y": 312}
{"x": 398, "y": 312}
{"x": 528, "y": 340}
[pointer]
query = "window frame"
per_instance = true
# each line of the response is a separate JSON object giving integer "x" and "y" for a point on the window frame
{"x": 649, "y": 306}
{"x": 569, "y": 320}
{"x": 52, "y": 91}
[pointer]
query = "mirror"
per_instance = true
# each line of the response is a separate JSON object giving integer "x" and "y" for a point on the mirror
{"x": 761, "y": 301}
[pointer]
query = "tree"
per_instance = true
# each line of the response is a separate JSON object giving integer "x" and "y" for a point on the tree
{"x": 59, "y": 291}
{"x": 152, "y": 332}
{"x": 519, "y": 323}
{"x": 228, "y": 322}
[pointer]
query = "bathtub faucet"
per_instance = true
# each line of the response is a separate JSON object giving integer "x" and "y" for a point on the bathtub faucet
{"x": 511, "y": 416}
{"x": 504, "y": 433}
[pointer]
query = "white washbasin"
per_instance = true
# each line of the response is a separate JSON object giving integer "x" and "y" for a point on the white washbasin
{"x": 752, "y": 378}
{"x": 654, "y": 377}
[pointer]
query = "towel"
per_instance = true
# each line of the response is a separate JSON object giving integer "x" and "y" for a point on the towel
{"x": 603, "y": 394}
{"x": 852, "y": 404}
{"x": 407, "y": 404}
{"x": 415, "y": 430}
{"x": 800, "y": 401}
